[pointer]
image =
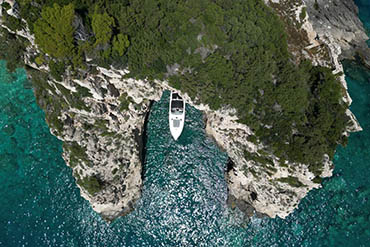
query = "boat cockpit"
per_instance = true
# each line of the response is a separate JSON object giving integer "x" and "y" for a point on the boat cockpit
{"x": 177, "y": 106}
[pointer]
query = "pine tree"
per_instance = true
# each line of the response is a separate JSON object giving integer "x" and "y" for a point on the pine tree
{"x": 54, "y": 31}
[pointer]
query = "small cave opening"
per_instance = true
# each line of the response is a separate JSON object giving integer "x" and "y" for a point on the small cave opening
{"x": 253, "y": 196}
{"x": 230, "y": 165}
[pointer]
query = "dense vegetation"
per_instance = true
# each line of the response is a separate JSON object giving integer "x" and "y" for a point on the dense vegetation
{"x": 54, "y": 31}
{"x": 14, "y": 56}
{"x": 228, "y": 53}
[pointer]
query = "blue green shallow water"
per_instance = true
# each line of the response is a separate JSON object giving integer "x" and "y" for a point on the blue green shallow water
{"x": 183, "y": 202}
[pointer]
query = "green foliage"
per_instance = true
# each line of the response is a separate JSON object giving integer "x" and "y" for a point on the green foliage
{"x": 13, "y": 56}
{"x": 47, "y": 98}
{"x": 316, "y": 5}
{"x": 262, "y": 159}
{"x": 324, "y": 121}
{"x": 102, "y": 25}
{"x": 39, "y": 60}
{"x": 13, "y": 23}
{"x": 92, "y": 184}
{"x": 73, "y": 99}
{"x": 6, "y": 6}
{"x": 317, "y": 180}
{"x": 229, "y": 53}
{"x": 125, "y": 102}
{"x": 30, "y": 10}
{"x": 303, "y": 14}
{"x": 76, "y": 153}
{"x": 30, "y": 13}
{"x": 292, "y": 181}
{"x": 120, "y": 44}
{"x": 54, "y": 31}
{"x": 83, "y": 91}
{"x": 101, "y": 124}
{"x": 114, "y": 171}
{"x": 57, "y": 69}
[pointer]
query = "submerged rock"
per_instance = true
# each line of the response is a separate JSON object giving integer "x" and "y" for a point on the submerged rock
{"x": 9, "y": 129}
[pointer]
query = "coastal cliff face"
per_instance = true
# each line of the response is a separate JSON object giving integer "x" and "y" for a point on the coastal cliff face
{"x": 338, "y": 21}
{"x": 100, "y": 118}
{"x": 275, "y": 188}
{"x": 101, "y": 132}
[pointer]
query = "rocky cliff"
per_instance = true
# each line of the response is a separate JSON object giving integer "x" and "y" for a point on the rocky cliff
{"x": 100, "y": 117}
{"x": 338, "y": 21}
{"x": 273, "y": 187}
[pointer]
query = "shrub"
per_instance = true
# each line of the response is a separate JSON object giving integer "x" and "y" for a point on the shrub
{"x": 292, "y": 181}
{"x": 57, "y": 69}
{"x": 303, "y": 14}
{"x": 92, "y": 184}
{"x": 13, "y": 23}
{"x": 13, "y": 56}
{"x": 39, "y": 60}
{"x": 316, "y": 5}
{"x": 6, "y": 6}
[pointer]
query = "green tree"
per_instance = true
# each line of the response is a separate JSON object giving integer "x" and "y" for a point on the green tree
{"x": 13, "y": 56}
{"x": 102, "y": 25}
{"x": 54, "y": 31}
{"x": 56, "y": 70}
{"x": 120, "y": 44}
{"x": 13, "y": 23}
{"x": 226, "y": 53}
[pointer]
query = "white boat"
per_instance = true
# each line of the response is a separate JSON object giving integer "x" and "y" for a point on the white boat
{"x": 176, "y": 115}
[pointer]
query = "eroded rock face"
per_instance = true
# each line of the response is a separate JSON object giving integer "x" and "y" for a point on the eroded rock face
{"x": 338, "y": 20}
{"x": 108, "y": 132}
{"x": 100, "y": 120}
{"x": 272, "y": 187}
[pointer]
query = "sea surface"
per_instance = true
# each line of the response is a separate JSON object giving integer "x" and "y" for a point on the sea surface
{"x": 183, "y": 202}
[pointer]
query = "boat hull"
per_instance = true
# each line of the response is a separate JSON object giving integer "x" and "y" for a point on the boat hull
{"x": 176, "y": 115}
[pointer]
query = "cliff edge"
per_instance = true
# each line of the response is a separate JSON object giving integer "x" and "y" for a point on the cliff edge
{"x": 96, "y": 95}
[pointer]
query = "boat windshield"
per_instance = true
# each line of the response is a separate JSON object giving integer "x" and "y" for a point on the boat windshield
{"x": 176, "y": 96}
{"x": 177, "y": 106}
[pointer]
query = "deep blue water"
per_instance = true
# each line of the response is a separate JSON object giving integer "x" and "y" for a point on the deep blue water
{"x": 183, "y": 202}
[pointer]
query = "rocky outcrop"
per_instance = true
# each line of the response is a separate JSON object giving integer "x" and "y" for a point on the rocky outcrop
{"x": 270, "y": 186}
{"x": 337, "y": 20}
{"x": 100, "y": 119}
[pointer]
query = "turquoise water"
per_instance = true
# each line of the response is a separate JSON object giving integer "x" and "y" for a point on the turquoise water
{"x": 183, "y": 202}
{"x": 364, "y": 12}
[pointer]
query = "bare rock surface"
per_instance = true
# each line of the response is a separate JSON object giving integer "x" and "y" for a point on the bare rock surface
{"x": 338, "y": 20}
